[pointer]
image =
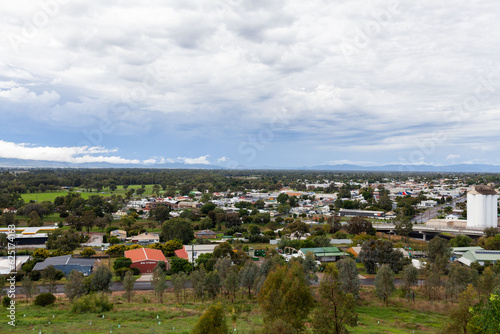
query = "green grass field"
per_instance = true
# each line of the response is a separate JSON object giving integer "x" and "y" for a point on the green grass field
{"x": 50, "y": 196}
{"x": 140, "y": 316}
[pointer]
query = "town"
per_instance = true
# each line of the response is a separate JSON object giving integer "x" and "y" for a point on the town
{"x": 399, "y": 237}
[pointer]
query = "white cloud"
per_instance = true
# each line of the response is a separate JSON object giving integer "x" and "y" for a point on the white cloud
{"x": 207, "y": 70}
{"x": 203, "y": 160}
{"x": 452, "y": 156}
{"x": 222, "y": 159}
{"x": 82, "y": 154}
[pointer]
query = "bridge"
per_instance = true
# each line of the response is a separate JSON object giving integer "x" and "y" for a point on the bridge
{"x": 426, "y": 230}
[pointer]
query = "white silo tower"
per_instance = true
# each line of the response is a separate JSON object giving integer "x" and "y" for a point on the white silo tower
{"x": 482, "y": 203}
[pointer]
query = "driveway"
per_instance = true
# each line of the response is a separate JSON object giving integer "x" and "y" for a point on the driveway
{"x": 144, "y": 278}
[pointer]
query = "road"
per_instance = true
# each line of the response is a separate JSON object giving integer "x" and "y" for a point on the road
{"x": 433, "y": 212}
{"x": 146, "y": 286}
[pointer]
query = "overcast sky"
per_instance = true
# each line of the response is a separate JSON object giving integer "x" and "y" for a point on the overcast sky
{"x": 250, "y": 83}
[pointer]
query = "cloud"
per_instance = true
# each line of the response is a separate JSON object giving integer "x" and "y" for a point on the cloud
{"x": 222, "y": 159}
{"x": 219, "y": 72}
{"x": 453, "y": 156}
{"x": 82, "y": 154}
{"x": 203, "y": 160}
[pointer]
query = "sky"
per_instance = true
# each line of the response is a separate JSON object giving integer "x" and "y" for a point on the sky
{"x": 258, "y": 83}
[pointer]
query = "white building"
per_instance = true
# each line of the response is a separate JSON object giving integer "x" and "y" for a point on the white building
{"x": 482, "y": 204}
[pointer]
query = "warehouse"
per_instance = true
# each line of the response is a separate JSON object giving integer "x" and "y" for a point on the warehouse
{"x": 145, "y": 259}
{"x": 67, "y": 263}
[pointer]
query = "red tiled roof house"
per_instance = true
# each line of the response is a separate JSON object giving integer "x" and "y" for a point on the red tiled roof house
{"x": 145, "y": 259}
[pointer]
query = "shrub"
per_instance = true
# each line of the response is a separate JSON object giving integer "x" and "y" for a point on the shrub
{"x": 135, "y": 271}
{"x": 114, "y": 240}
{"x": 45, "y": 299}
{"x": 92, "y": 303}
{"x": 6, "y": 301}
{"x": 87, "y": 252}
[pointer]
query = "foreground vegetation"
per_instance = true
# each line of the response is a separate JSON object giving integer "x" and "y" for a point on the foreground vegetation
{"x": 140, "y": 316}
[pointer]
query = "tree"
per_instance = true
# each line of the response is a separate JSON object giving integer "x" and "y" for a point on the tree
{"x": 179, "y": 282}
{"x": 231, "y": 282}
{"x": 282, "y": 198}
{"x": 248, "y": 274}
{"x": 485, "y": 316}
{"x": 40, "y": 253}
{"x": 460, "y": 316}
{"x": 88, "y": 219}
{"x": 459, "y": 277}
{"x": 101, "y": 279}
{"x": 161, "y": 214}
{"x": 439, "y": 252}
{"x": 213, "y": 321}
{"x": 285, "y": 295}
{"x": 101, "y": 223}
{"x": 171, "y": 246}
{"x": 461, "y": 241}
{"x": 488, "y": 282}
{"x": 178, "y": 265}
{"x": 212, "y": 284}
{"x": 75, "y": 287}
{"x": 177, "y": 228}
{"x": 128, "y": 285}
{"x": 49, "y": 276}
{"x": 159, "y": 283}
{"x": 66, "y": 241}
{"x": 404, "y": 227}
{"x": 198, "y": 281}
{"x": 375, "y": 252}
{"x": 409, "y": 277}
{"x": 384, "y": 283}
{"x": 336, "y": 308}
{"x": 349, "y": 276}
{"x": 358, "y": 225}
{"x": 29, "y": 288}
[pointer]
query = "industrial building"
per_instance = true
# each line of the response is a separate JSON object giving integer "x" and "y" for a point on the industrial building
{"x": 67, "y": 263}
{"x": 482, "y": 206}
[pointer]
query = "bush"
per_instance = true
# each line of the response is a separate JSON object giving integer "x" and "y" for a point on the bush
{"x": 6, "y": 301}
{"x": 92, "y": 303}
{"x": 45, "y": 299}
{"x": 87, "y": 252}
{"x": 114, "y": 240}
{"x": 135, "y": 271}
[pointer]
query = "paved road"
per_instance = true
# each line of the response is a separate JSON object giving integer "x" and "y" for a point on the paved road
{"x": 433, "y": 212}
{"x": 146, "y": 286}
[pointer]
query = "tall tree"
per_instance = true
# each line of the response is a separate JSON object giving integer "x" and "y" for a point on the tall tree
{"x": 248, "y": 274}
{"x": 439, "y": 252}
{"x": 409, "y": 276}
{"x": 285, "y": 295}
{"x": 101, "y": 279}
{"x": 75, "y": 287}
{"x": 349, "y": 276}
{"x": 177, "y": 228}
{"x": 384, "y": 283}
{"x": 29, "y": 287}
{"x": 336, "y": 308}
{"x": 158, "y": 280}
{"x": 128, "y": 285}
{"x": 460, "y": 316}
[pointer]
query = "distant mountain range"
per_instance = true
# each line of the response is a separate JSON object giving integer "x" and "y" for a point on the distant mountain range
{"x": 461, "y": 168}
{"x": 19, "y": 163}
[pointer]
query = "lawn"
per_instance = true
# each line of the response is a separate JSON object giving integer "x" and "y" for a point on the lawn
{"x": 50, "y": 196}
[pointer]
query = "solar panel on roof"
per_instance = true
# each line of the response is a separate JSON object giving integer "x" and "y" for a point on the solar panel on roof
{"x": 488, "y": 252}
